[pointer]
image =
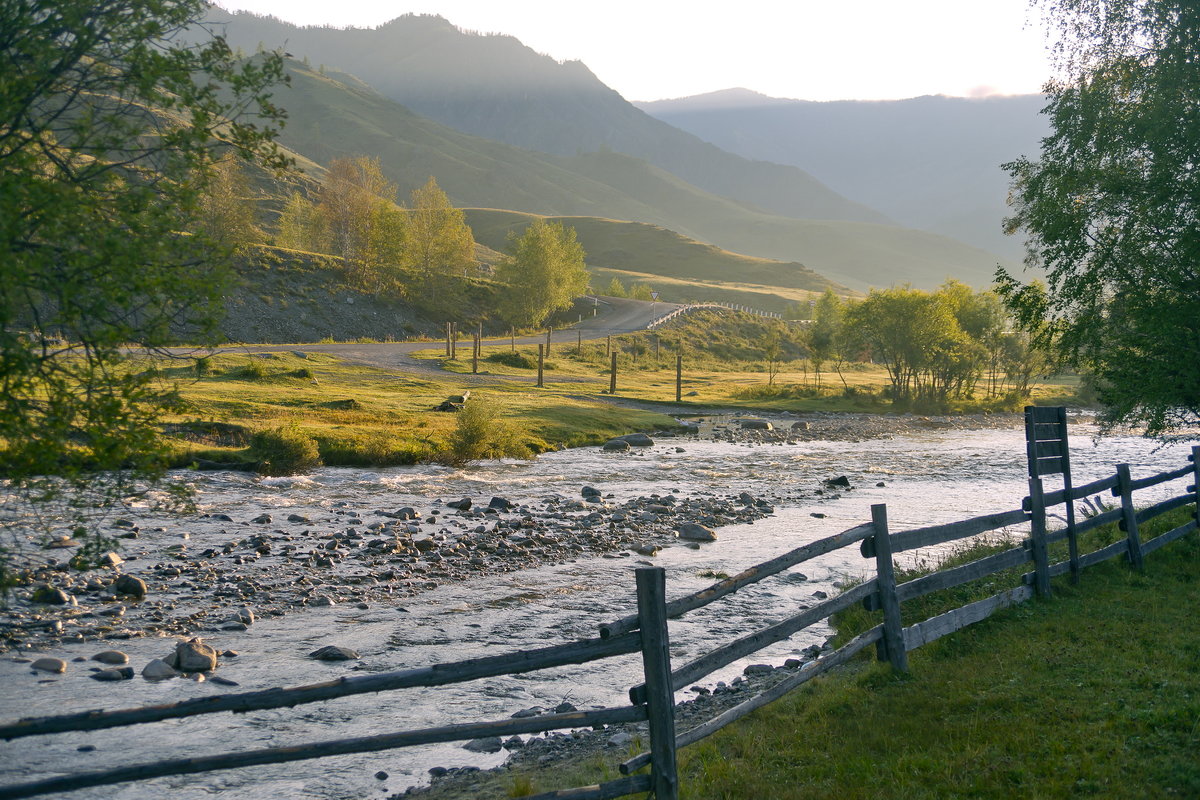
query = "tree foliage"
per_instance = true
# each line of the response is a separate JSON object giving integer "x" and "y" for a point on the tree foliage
{"x": 544, "y": 272}
{"x": 112, "y": 121}
{"x": 1111, "y": 209}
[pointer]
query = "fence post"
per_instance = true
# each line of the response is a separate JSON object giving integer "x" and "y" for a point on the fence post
{"x": 656, "y": 662}
{"x": 1195, "y": 457}
{"x": 893, "y": 628}
{"x": 475, "y": 356}
{"x": 448, "y": 340}
{"x": 612, "y": 375}
{"x": 541, "y": 364}
{"x": 679, "y": 377}
{"x": 1037, "y": 538}
{"x": 453, "y": 340}
{"x": 1129, "y": 516}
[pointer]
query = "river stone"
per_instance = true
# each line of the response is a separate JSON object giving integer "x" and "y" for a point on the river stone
{"x": 192, "y": 656}
{"x": 113, "y": 674}
{"x": 114, "y": 657}
{"x": 620, "y": 739}
{"x": 695, "y": 532}
{"x": 758, "y": 669}
{"x": 488, "y": 744}
{"x": 461, "y": 505}
{"x": 616, "y": 446}
{"x": 755, "y": 424}
{"x": 590, "y": 491}
{"x": 332, "y": 652}
{"x": 501, "y": 504}
{"x": 50, "y": 665}
{"x": 638, "y": 439}
{"x": 840, "y": 480}
{"x": 158, "y": 670}
{"x": 131, "y": 585}
{"x": 50, "y": 595}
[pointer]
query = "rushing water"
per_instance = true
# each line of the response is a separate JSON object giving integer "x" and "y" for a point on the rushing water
{"x": 927, "y": 477}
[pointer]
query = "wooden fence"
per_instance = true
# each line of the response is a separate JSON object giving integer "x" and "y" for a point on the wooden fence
{"x": 647, "y": 631}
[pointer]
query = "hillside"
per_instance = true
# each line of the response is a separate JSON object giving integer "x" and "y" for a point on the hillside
{"x": 333, "y": 114}
{"x": 928, "y": 162}
{"x": 496, "y": 87}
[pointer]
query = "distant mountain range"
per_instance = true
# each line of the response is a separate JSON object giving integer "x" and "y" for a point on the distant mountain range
{"x": 502, "y": 127}
{"x": 928, "y": 162}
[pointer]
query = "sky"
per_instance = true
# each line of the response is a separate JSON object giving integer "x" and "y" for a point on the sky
{"x": 802, "y": 49}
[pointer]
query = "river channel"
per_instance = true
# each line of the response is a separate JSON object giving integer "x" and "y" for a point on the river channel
{"x": 924, "y": 477}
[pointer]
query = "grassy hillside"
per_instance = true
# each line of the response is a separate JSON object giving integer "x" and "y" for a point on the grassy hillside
{"x": 333, "y": 115}
{"x": 652, "y": 250}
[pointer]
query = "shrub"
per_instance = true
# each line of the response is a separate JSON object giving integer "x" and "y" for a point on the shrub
{"x": 285, "y": 450}
{"x": 203, "y": 366}
{"x": 513, "y": 359}
{"x": 253, "y": 371}
{"x": 480, "y": 433}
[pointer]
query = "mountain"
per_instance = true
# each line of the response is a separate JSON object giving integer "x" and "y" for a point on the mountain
{"x": 928, "y": 162}
{"x": 495, "y": 87}
{"x": 331, "y": 114}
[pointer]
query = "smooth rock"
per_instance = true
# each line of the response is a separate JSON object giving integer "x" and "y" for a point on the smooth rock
{"x": 48, "y": 664}
{"x": 488, "y": 744}
{"x": 332, "y": 652}
{"x": 755, "y": 424}
{"x": 113, "y": 674}
{"x": 695, "y": 532}
{"x": 758, "y": 669}
{"x": 193, "y": 656}
{"x": 114, "y": 657}
{"x": 637, "y": 440}
{"x": 461, "y": 505}
{"x": 159, "y": 670}
{"x": 50, "y": 595}
{"x": 130, "y": 585}
{"x": 616, "y": 446}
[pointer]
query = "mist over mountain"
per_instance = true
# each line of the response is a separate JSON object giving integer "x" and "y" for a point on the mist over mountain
{"x": 929, "y": 162}
{"x": 496, "y": 87}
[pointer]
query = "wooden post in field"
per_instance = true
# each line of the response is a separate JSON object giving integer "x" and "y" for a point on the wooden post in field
{"x": 549, "y": 331}
{"x": 1037, "y": 538}
{"x": 893, "y": 628}
{"x": 475, "y": 356}
{"x": 1129, "y": 522}
{"x": 453, "y": 340}
{"x": 678, "y": 377}
{"x": 541, "y": 363}
{"x": 656, "y": 663}
{"x": 448, "y": 329}
{"x": 1195, "y": 457}
{"x": 612, "y": 375}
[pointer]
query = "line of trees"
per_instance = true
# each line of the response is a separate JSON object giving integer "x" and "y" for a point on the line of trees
{"x": 936, "y": 346}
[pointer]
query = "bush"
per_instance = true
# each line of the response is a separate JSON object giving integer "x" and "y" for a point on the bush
{"x": 513, "y": 359}
{"x": 480, "y": 433}
{"x": 203, "y": 366}
{"x": 253, "y": 371}
{"x": 286, "y": 450}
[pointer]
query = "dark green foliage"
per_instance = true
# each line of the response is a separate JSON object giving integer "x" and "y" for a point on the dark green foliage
{"x": 1111, "y": 208}
{"x": 286, "y": 450}
{"x": 513, "y": 359}
{"x": 543, "y": 273}
{"x": 479, "y": 433}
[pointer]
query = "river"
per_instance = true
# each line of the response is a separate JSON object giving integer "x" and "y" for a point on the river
{"x": 924, "y": 477}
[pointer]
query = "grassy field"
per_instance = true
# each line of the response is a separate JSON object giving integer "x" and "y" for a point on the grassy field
{"x": 1094, "y": 692}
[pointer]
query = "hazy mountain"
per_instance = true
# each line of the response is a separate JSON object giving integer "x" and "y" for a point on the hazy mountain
{"x": 333, "y": 114}
{"x": 494, "y": 86}
{"x": 928, "y": 162}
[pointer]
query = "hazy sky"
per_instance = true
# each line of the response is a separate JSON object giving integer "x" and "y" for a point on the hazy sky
{"x": 807, "y": 49}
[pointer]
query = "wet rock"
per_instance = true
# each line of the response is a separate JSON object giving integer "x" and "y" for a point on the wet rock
{"x": 50, "y": 595}
{"x": 299, "y": 518}
{"x": 840, "y": 481}
{"x": 262, "y": 519}
{"x": 381, "y": 776}
{"x": 758, "y": 669}
{"x": 616, "y": 446}
{"x": 193, "y": 656}
{"x": 130, "y": 585}
{"x": 110, "y": 559}
{"x": 332, "y": 652}
{"x": 488, "y": 744}
{"x": 514, "y": 743}
{"x": 47, "y": 664}
{"x": 696, "y": 532}
{"x": 801, "y": 426}
{"x": 525, "y": 713}
{"x": 159, "y": 670}
{"x": 620, "y": 739}
{"x": 113, "y": 674}
{"x": 565, "y": 708}
{"x": 755, "y": 424}
{"x": 114, "y": 657}
{"x": 637, "y": 440}
{"x": 62, "y": 542}
{"x": 460, "y": 505}
{"x": 501, "y": 504}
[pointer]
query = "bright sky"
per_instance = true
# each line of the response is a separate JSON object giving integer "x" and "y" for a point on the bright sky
{"x": 806, "y": 49}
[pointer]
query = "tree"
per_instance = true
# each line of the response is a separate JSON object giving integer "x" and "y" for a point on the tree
{"x": 352, "y": 200}
{"x": 825, "y": 334}
{"x": 227, "y": 208}
{"x": 1111, "y": 209}
{"x": 302, "y": 226}
{"x": 615, "y": 288}
{"x": 544, "y": 273}
{"x": 112, "y": 117}
{"x": 440, "y": 242}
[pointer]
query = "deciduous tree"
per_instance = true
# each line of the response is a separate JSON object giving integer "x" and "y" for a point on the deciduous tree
{"x": 544, "y": 273}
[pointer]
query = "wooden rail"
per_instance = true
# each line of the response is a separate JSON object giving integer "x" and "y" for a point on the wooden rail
{"x": 647, "y": 632}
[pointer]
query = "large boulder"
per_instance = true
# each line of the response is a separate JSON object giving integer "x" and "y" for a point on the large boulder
{"x": 616, "y": 446}
{"x": 755, "y": 424}
{"x": 638, "y": 440}
{"x": 192, "y": 656}
{"x": 130, "y": 585}
{"x": 695, "y": 532}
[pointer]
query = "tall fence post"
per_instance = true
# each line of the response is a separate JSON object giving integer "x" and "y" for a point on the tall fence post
{"x": 448, "y": 355}
{"x": 656, "y": 662}
{"x": 893, "y": 627}
{"x": 678, "y": 377}
{"x": 453, "y": 340}
{"x": 1195, "y": 458}
{"x": 1129, "y": 522}
{"x": 612, "y": 375}
{"x": 1037, "y": 538}
{"x": 475, "y": 356}
{"x": 541, "y": 364}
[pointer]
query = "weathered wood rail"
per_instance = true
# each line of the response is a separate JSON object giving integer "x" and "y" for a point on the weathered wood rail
{"x": 647, "y": 632}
